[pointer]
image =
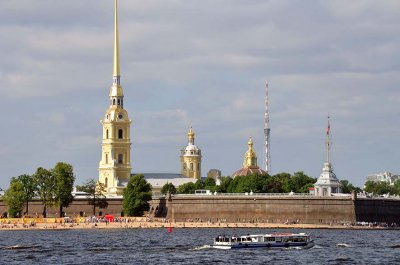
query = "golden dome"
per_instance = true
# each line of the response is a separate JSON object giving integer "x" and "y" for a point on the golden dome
{"x": 250, "y": 157}
{"x": 250, "y": 163}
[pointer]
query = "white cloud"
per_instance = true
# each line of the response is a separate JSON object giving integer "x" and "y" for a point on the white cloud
{"x": 203, "y": 63}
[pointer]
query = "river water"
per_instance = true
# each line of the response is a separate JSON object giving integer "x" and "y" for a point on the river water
{"x": 190, "y": 246}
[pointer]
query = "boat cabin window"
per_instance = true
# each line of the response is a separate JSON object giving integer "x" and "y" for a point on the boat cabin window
{"x": 269, "y": 239}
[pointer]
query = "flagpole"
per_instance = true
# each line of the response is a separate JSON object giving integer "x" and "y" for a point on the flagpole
{"x": 328, "y": 157}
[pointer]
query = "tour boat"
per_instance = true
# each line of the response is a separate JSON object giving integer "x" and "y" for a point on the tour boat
{"x": 277, "y": 240}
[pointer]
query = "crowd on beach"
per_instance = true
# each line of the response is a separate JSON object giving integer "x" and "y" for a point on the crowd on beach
{"x": 146, "y": 222}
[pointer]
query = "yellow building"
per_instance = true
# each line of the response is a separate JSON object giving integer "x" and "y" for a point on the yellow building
{"x": 191, "y": 158}
{"x": 115, "y": 163}
{"x": 250, "y": 163}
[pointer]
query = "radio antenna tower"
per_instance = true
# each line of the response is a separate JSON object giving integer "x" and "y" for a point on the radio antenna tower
{"x": 267, "y": 131}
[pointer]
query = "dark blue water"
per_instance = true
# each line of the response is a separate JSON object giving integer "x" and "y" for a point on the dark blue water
{"x": 189, "y": 246}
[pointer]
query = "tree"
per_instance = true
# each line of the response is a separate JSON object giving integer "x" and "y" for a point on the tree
{"x": 137, "y": 196}
{"x": 15, "y": 197}
{"x": 300, "y": 182}
{"x": 347, "y": 187}
{"x": 95, "y": 191}
{"x": 187, "y": 188}
{"x": 378, "y": 187}
{"x": 209, "y": 183}
{"x": 45, "y": 182}
{"x": 223, "y": 187}
{"x": 396, "y": 187}
{"x": 29, "y": 186}
{"x": 168, "y": 188}
{"x": 64, "y": 182}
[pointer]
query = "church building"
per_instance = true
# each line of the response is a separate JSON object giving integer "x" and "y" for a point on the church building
{"x": 191, "y": 158}
{"x": 115, "y": 164}
{"x": 250, "y": 165}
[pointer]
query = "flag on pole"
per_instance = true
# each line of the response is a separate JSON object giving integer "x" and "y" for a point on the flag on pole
{"x": 329, "y": 127}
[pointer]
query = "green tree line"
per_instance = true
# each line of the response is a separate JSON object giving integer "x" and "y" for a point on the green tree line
{"x": 382, "y": 187}
{"x": 52, "y": 187}
{"x": 279, "y": 183}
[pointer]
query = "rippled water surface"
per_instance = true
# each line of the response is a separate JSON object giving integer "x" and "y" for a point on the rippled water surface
{"x": 189, "y": 246}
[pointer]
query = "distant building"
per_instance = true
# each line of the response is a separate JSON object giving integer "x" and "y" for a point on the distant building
{"x": 327, "y": 183}
{"x": 216, "y": 175}
{"x": 250, "y": 163}
{"x": 385, "y": 177}
{"x": 191, "y": 158}
{"x": 158, "y": 180}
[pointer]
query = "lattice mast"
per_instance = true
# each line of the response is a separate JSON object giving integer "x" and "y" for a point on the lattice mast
{"x": 267, "y": 132}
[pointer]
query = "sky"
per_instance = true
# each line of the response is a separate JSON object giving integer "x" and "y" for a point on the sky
{"x": 202, "y": 63}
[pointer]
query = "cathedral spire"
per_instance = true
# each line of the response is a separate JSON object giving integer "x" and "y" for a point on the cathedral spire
{"x": 116, "y": 69}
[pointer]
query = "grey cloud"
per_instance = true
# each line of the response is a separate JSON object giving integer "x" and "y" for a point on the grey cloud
{"x": 203, "y": 63}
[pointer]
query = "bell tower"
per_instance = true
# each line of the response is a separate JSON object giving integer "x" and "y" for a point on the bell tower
{"x": 191, "y": 158}
{"x": 115, "y": 164}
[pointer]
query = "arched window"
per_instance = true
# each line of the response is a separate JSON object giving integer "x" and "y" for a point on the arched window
{"x": 106, "y": 183}
{"x": 120, "y": 134}
{"x": 106, "y": 158}
{"x": 114, "y": 101}
{"x": 184, "y": 166}
{"x": 107, "y": 134}
{"x": 191, "y": 166}
{"x": 120, "y": 158}
{"x": 118, "y": 102}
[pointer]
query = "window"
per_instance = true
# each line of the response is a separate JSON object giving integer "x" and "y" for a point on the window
{"x": 118, "y": 102}
{"x": 107, "y": 134}
{"x": 114, "y": 101}
{"x": 120, "y": 134}
{"x": 198, "y": 166}
{"x": 120, "y": 158}
{"x": 184, "y": 166}
{"x": 191, "y": 166}
{"x": 106, "y": 183}
{"x": 106, "y": 158}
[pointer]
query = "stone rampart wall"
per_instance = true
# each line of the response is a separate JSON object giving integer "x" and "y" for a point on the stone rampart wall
{"x": 247, "y": 208}
{"x": 262, "y": 209}
{"x": 378, "y": 210}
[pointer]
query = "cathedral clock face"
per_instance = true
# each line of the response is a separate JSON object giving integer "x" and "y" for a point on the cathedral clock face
{"x": 120, "y": 116}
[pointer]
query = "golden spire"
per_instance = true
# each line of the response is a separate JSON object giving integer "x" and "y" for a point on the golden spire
{"x": 250, "y": 157}
{"x": 116, "y": 70}
{"x": 191, "y": 135}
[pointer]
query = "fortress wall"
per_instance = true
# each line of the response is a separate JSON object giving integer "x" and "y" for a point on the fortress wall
{"x": 248, "y": 208}
{"x": 377, "y": 210}
{"x": 262, "y": 209}
{"x": 78, "y": 205}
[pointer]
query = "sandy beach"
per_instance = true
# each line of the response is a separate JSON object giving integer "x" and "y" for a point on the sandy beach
{"x": 59, "y": 224}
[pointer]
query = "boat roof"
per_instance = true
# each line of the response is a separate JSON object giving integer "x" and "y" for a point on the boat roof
{"x": 276, "y": 234}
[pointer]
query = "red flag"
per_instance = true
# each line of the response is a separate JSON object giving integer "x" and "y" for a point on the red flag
{"x": 170, "y": 229}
